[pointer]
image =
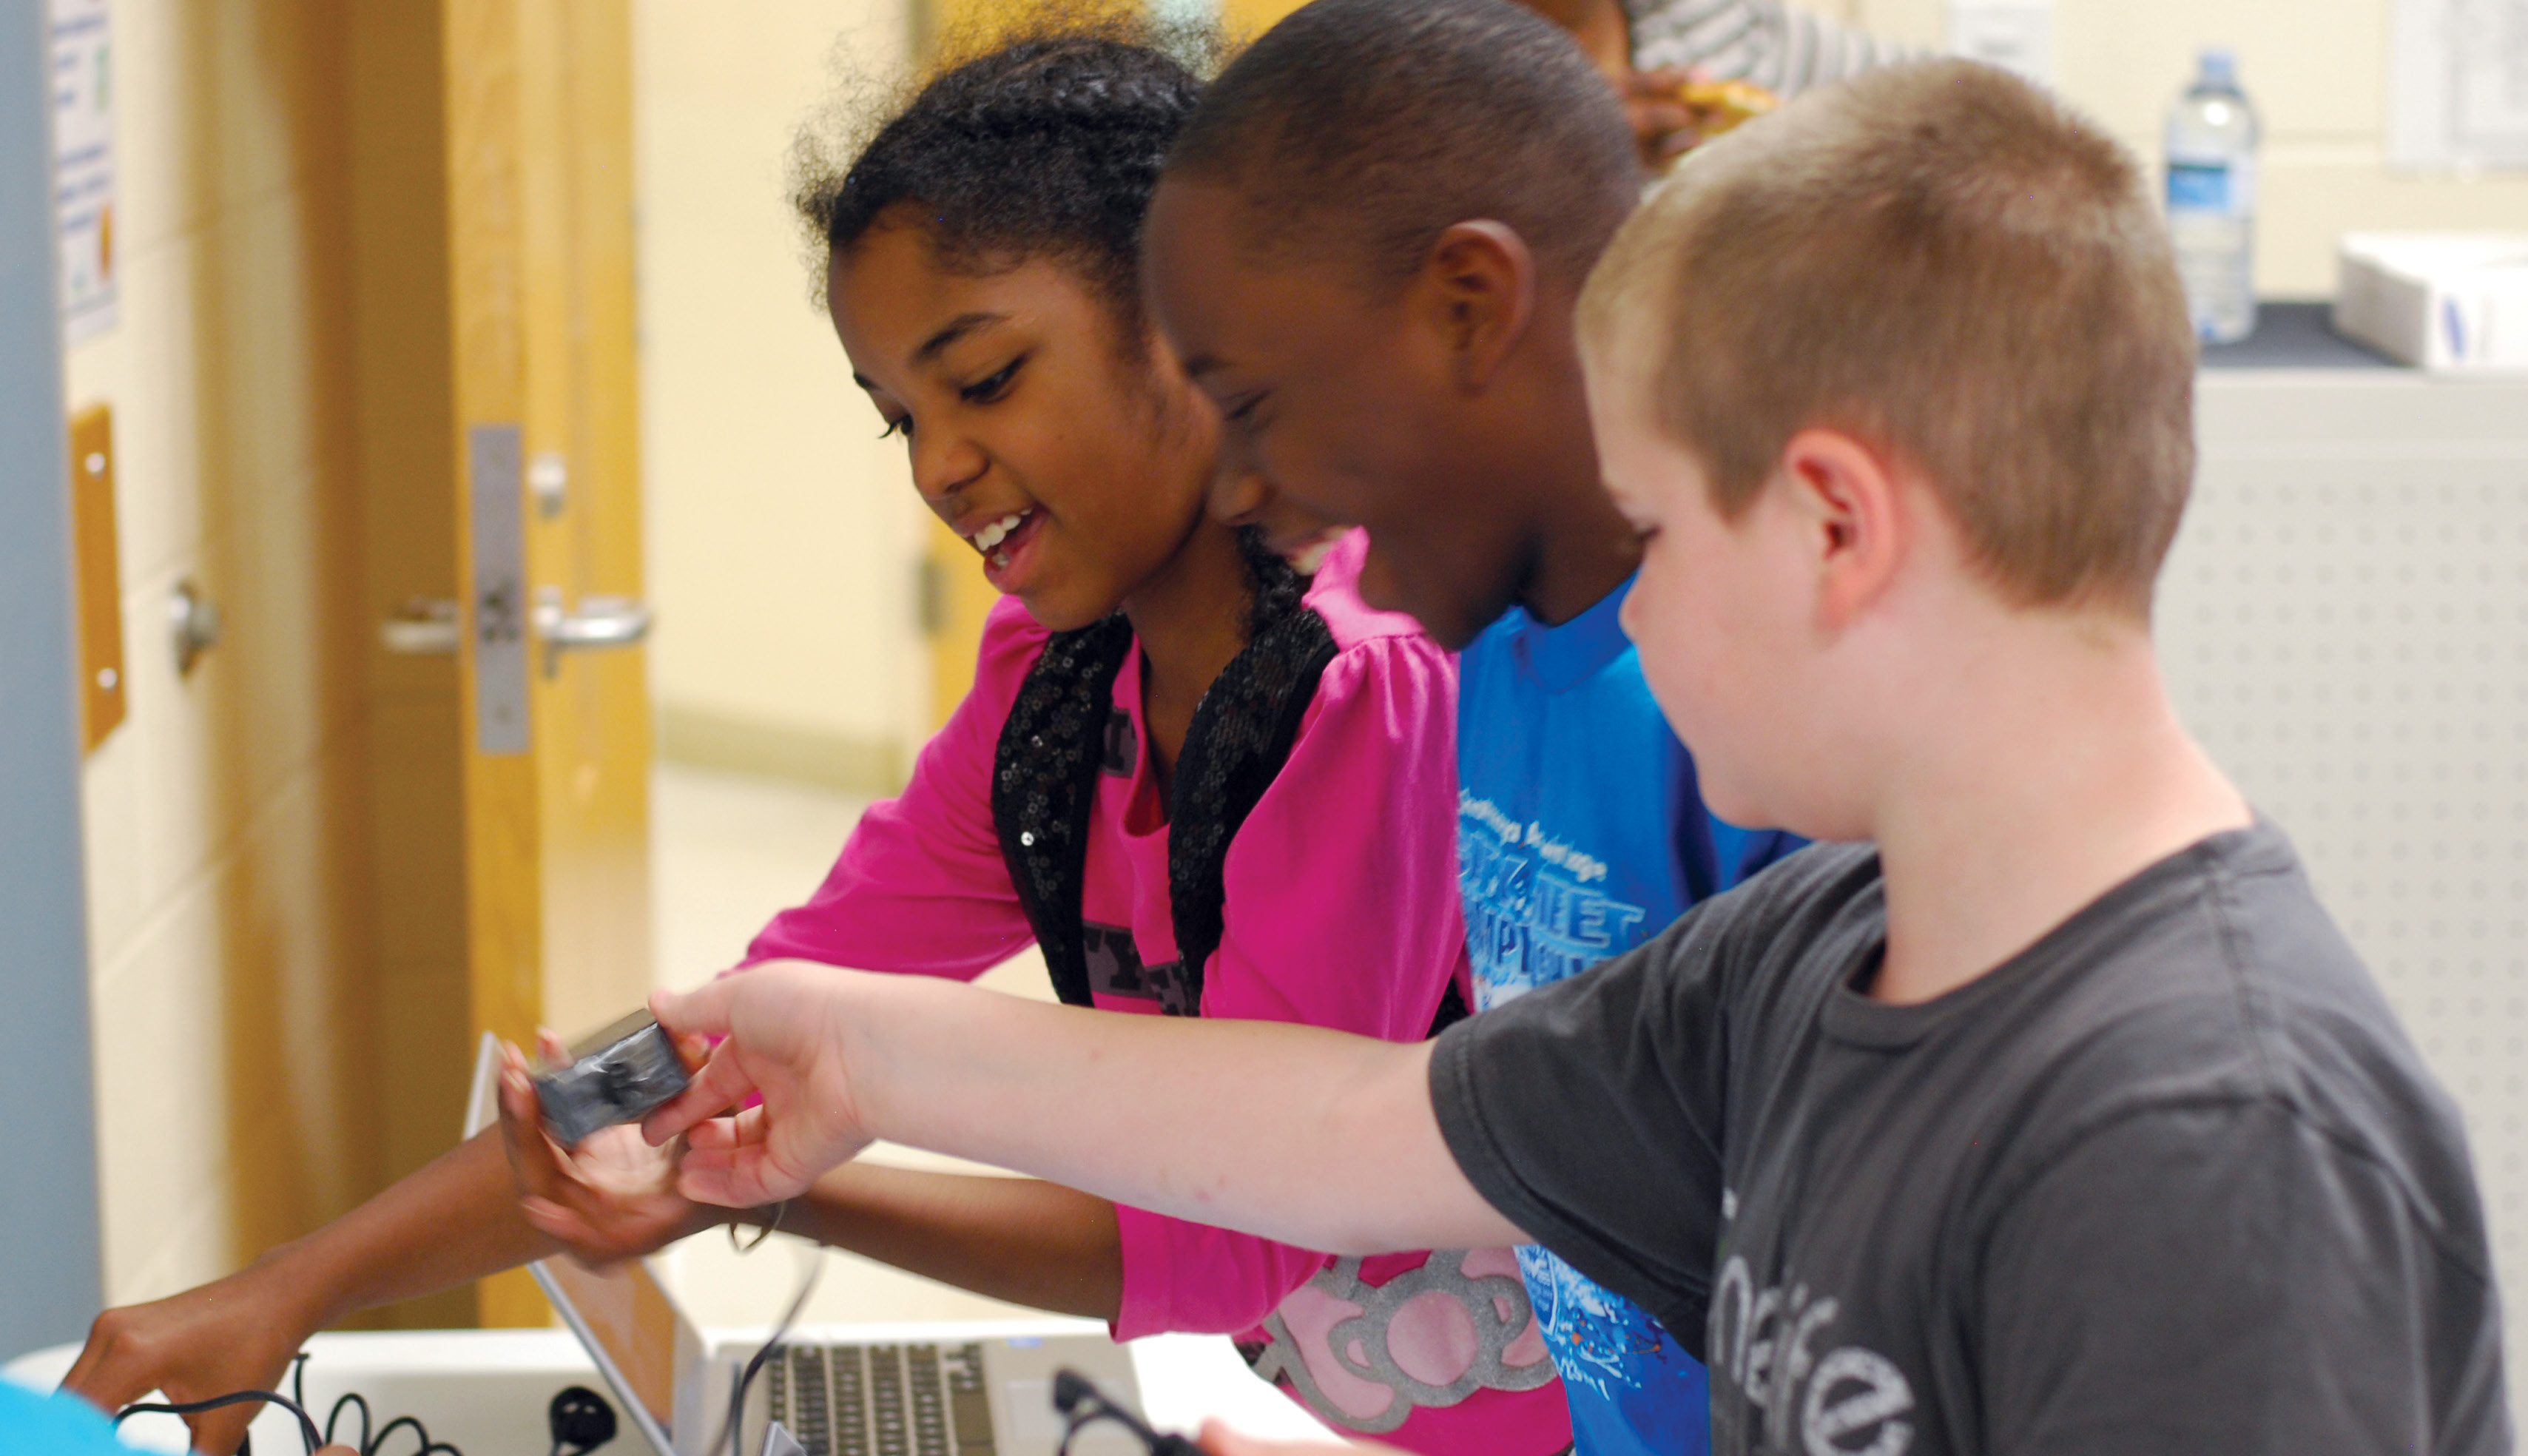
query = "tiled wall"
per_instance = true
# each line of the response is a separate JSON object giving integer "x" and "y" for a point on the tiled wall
{"x": 226, "y": 825}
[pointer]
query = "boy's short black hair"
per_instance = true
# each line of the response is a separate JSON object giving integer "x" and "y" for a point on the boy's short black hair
{"x": 1044, "y": 146}
{"x": 1363, "y": 129}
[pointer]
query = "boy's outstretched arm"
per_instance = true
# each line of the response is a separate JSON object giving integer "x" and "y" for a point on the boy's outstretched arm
{"x": 1313, "y": 1137}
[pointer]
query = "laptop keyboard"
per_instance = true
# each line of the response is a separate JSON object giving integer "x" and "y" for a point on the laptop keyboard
{"x": 883, "y": 1400}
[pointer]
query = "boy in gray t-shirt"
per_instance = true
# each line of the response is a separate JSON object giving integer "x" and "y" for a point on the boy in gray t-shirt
{"x": 2056, "y": 1117}
{"x": 2169, "y": 1179}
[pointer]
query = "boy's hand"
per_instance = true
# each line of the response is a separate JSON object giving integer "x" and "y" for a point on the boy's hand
{"x": 784, "y": 1024}
{"x": 611, "y": 1198}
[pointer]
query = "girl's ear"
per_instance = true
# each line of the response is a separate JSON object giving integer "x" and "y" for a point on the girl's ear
{"x": 1479, "y": 287}
{"x": 1846, "y": 496}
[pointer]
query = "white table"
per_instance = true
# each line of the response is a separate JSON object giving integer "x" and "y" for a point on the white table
{"x": 486, "y": 1392}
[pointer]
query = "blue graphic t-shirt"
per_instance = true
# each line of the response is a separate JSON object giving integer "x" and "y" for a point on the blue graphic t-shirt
{"x": 57, "y": 1425}
{"x": 1581, "y": 834}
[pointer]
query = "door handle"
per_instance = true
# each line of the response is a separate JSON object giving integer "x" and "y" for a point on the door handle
{"x": 427, "y": 627}
{"x": 423, "y": 627}
{"x": 600, "y": 624}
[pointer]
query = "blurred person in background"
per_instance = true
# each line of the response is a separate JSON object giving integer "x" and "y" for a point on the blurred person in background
{"x": 1649, "y": 49}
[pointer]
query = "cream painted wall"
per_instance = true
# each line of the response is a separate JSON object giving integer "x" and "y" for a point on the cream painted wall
{"x": 784, "y": 537}
{"x": 226, "y": 837}
{"x": 2317, "y": 72}
{"x": 784, "y": 543}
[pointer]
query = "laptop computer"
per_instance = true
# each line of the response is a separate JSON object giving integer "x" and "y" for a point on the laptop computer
{"x": 944, "y": 1390}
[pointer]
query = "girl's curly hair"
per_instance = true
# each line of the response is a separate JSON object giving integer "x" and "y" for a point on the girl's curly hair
{"x": 1048, "y": 145}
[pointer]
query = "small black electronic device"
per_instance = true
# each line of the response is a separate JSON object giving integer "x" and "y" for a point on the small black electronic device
{"x": 621, "y": 1075}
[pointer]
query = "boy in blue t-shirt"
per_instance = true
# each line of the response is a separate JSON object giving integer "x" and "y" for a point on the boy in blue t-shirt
{"x": 1366, "y": 248}
{"x": 1580, "y": 834}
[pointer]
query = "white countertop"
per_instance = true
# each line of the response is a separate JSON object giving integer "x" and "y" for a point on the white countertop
{"x": 484, "y": 1390}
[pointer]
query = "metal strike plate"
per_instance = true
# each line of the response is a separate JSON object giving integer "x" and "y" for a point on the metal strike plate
{"x": 496, "y": 464}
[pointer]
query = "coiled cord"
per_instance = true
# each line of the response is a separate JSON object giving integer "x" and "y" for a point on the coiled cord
{"x": 368, "y": 1444}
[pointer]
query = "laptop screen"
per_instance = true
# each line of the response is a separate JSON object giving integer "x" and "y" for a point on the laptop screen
{"x": 623, "y": 1309}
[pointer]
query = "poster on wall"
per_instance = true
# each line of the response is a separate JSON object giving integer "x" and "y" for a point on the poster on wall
{"x": 2458, "y": 86}
{"x": 2017, "y": 35}
{"x": 83, "y": 165}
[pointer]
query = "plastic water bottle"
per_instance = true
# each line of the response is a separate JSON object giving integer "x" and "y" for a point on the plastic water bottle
{"x": 2212, "y": 198}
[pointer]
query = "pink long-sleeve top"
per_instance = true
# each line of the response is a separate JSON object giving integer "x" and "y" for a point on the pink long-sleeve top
{"x": 1340, "y": 910}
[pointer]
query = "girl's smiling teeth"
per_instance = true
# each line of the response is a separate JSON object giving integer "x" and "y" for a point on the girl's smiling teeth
{"x": 1309, "y": 552}
{"x": 996, "y": 531}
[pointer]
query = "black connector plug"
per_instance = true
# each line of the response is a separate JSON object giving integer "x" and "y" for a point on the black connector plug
{"x": 580, "y": 1421}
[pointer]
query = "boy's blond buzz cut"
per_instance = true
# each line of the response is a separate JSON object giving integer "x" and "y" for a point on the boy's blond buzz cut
{"x": 1948, "y": 263}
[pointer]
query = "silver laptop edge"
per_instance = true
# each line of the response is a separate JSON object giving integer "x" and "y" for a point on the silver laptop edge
{"x": 615, "y": 1380}
{"x": 481, "y": 1110}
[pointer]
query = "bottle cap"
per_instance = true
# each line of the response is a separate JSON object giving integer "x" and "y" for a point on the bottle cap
{"x": 2217, "y": 66}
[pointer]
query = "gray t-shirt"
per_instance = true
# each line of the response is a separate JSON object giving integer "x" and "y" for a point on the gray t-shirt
{"x": 2171, "y": 1179}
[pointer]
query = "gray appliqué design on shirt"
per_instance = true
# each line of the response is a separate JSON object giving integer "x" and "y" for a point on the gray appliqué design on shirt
{"x": 1495, "y": 1306}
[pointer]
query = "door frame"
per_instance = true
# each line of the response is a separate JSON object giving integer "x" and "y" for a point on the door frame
{"x": 51, "y": 1267}
{"x": 491, "y": 207}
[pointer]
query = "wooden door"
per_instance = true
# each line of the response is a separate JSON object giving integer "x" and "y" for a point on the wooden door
{"x": 492, "y": 144}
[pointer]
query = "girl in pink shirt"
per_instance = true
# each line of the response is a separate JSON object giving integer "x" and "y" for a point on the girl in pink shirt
{"x": 1195, "y": 775}
{"x": 1197, "y": 778}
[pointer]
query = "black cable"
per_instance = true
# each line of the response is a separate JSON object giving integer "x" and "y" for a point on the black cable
{"x": 307, "y": 1431}
{"x": 772, "y": 1347}
{"x": 307, "y": 1425}
{"x": 420, "y": 1432}
{"x": 1081, "y": 1405}
{"x": 352, "y": 1397}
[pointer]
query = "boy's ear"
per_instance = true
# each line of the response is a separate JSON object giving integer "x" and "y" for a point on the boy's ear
{"x": 1237, "y": 494}
{"x": 1846, "y": 497}
{"x": 1478, "y": 291}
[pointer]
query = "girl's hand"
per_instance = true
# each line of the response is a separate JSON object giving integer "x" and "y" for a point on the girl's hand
{"x": 234, "y": 1334}
{"x": 611, "y": 1198}
{"x": 784, "y": 1024}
